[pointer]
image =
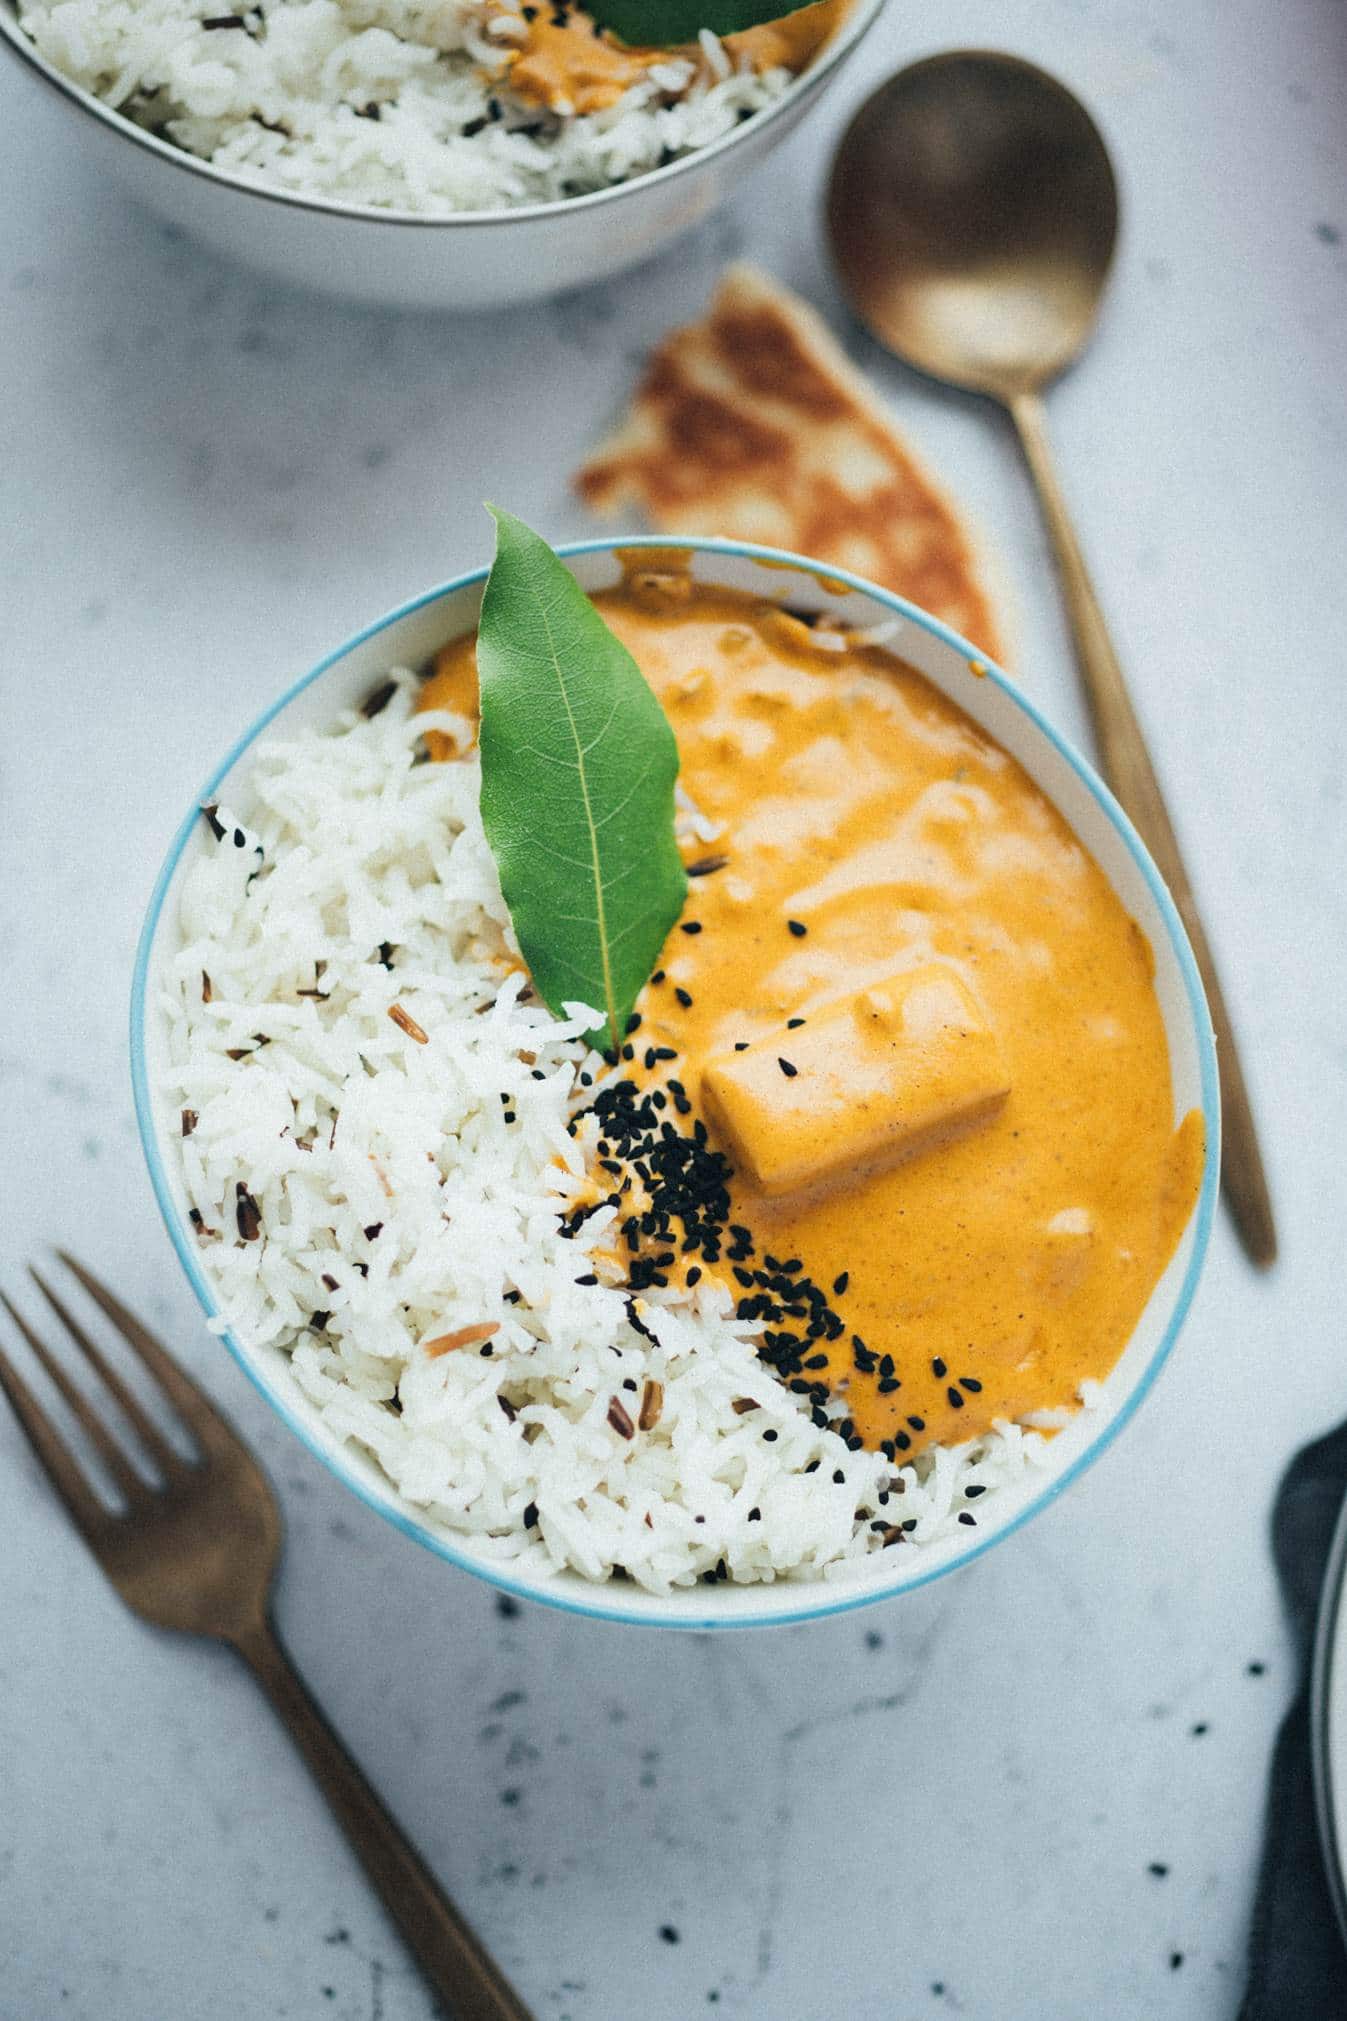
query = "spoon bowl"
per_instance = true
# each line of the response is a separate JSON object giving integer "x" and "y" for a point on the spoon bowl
{"x": 973, "y": 213}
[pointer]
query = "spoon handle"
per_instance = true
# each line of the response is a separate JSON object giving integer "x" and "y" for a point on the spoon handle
{"x": 1126, "y": 764}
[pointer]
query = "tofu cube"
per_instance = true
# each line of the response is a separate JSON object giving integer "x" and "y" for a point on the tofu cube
{"x": 899, "y": 1068}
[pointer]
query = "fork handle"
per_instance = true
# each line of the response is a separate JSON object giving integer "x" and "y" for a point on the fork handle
{"x": 453, "y": 1961}
{"x": 1126, "y": 764}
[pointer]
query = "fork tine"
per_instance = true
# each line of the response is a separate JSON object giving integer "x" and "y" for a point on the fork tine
{"x": 194, "y": 1405}
{"x": 144, "y": 1426}
{"x": 111, "y": 1454}
{"x": 57, "y": 1462}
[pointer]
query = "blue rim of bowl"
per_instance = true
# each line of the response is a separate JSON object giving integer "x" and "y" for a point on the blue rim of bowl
{"x": 805, "y": 86}
{"x": 867, "y": 1592}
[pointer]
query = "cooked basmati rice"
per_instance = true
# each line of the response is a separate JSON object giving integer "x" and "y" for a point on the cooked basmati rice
{"x": 410, "y": 1176}
{"x": 388, "y": 103}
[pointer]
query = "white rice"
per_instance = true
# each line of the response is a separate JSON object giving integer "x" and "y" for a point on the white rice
{"x": 406, "y": 1190}
{"x": 388, "y": 103}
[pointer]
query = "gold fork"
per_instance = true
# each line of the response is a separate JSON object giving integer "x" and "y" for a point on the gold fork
{"x": 198, "y": 1551}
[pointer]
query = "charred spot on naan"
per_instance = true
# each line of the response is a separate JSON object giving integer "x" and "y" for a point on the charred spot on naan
{"x": 753, "y": 423}
{"x": 768, "y": 356}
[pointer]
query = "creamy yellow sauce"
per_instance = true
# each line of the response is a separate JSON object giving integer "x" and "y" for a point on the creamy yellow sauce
{"x": 1003, "y": 1254}
{"x": 565, "y": 63}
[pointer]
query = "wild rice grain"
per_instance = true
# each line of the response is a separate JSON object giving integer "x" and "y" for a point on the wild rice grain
{"x": 405, "y": 1022}
{"x": 619, "y": 1420}
{"x": 465, "y": 1336}
{"x": 247, "y": 1213}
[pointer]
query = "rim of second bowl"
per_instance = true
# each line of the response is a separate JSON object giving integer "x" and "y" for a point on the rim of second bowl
{"x": 672, "y": 1612}
{"x": 853, "y": 29}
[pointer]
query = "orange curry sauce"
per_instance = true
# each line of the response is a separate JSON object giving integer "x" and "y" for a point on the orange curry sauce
{"x": 568, "y": 64}
{"x": 882, "y": 852}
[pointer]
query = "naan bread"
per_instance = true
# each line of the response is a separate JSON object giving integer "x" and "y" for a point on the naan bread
{"x": 753, "y": 423}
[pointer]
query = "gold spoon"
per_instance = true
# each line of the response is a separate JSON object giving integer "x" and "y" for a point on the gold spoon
{"x": 973, "y": 213}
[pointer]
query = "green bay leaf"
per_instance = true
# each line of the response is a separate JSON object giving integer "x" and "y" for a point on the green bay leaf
{"x": 578, "y": 769}
{"x": 663, "y": 24}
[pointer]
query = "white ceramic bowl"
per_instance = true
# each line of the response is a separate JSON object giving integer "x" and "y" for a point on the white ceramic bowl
{"x": 473, "y": 260}
{"x": 408, "y": 637}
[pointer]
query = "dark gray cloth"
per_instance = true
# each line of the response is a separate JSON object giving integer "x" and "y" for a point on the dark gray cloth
{"x": 1297, "y": 1963}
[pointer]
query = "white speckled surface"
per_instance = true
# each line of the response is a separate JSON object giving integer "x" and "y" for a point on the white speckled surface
{"x": 946, "y": 1805}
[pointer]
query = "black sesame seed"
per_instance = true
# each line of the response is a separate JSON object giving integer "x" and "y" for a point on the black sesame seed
{"x": 840, "y": 1283}
{"x": 691, "y": 926}
{"x": 683, "y": 997}
{"x": 375, "y": 704}
{"x": 787, "y": 1069}
{"x": 938, "y": 1369}
{"x": 798, "y": 928}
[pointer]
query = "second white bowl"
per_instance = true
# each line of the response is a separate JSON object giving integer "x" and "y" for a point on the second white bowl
{"x": 470, "y": 260}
